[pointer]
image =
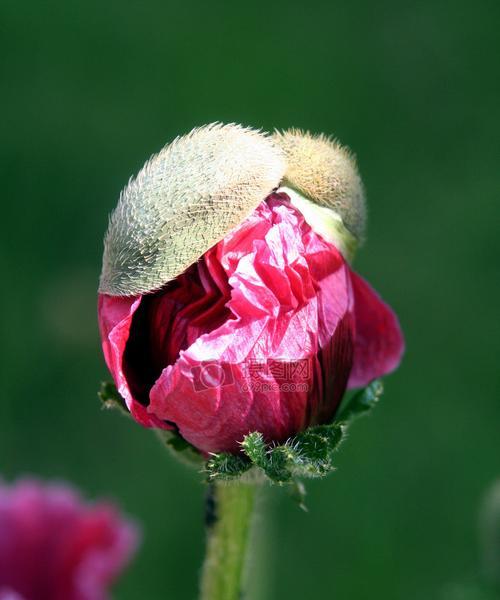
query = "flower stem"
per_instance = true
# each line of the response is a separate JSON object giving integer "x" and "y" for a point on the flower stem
{"x": 228, "y": 517}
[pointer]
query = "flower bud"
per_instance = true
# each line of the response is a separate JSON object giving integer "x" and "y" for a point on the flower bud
{"x": 256, "y": 321}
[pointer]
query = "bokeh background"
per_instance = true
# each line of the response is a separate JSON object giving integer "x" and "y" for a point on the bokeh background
{"x": 91, "y": 89}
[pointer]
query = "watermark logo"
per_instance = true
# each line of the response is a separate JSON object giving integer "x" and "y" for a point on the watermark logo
{"x": 211, "y": 374}
{"x": 258, "y": 376}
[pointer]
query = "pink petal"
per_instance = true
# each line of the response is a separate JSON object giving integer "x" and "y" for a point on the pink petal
{"x": 379, "y": 343}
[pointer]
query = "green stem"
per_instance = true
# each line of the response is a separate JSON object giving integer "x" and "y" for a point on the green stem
{"x": 229, "y": 512}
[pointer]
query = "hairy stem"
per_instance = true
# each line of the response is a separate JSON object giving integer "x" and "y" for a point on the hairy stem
{"x": 228, "y": 517}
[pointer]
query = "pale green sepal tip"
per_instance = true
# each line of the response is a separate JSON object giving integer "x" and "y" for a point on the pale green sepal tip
{"x": 324, "y": 221}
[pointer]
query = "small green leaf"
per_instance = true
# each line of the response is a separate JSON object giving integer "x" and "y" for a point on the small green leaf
{"x": 111, "y": 398}
{"x": 331, "y": 434}
{"x": 254, "y": 447}
{"x": 315, "y": 447}
{"x": 182, "y": 449}
{"x": 279, "y": 466}
{"x": 226, "y": 466}
{"x": 361, "y": 403}
{"x": 175, "y": 441}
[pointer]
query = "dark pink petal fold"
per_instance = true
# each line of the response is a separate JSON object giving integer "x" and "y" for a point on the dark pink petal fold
{"x": 55, "y": 547}
{"x": 115, "y": 318}
{"x": 260, "y": 335}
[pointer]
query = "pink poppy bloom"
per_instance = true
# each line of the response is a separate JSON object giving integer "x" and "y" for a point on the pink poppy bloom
{"x": 53, "y": 546}
{"x": 264, "y": 333}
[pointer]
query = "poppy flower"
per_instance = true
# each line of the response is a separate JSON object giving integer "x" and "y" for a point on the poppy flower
{"x": 54, "y": 546}
{"x": 267, "y": 327}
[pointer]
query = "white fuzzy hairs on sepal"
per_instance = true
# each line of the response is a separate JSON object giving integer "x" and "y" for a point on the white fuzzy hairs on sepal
{"x": 184, "y": 200}
{"x": 197, "y": 189}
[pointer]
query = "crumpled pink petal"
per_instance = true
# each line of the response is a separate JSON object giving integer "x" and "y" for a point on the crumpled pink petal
{"x": 379, "y": 344}
{"x": 289, "y": 296}
{"x": 259, "y": 335}
{"x": 55, "y": 547}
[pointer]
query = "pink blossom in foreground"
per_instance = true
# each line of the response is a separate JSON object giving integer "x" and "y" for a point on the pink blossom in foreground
{"x": 54, "y": 546}
{"x": 264, "y": 333}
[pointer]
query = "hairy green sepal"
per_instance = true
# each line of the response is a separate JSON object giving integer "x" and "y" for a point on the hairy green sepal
{"x": 310, "y": 454}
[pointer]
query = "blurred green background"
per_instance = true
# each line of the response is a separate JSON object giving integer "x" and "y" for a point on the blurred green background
{"x": 90, "y": 90}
